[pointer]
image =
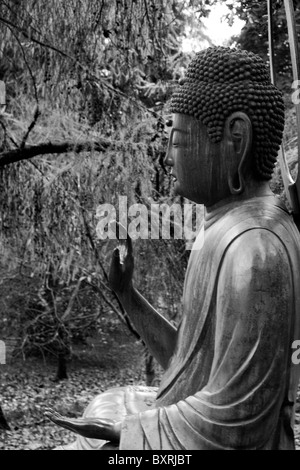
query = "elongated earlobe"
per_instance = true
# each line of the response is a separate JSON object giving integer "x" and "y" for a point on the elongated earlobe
{"x": 238, "y": 186}
{"x": 238, "y": 130}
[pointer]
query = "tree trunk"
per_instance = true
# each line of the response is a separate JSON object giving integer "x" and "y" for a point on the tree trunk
{"x": 150, "y": 369}
{"x": 3, "y": 423}
{"x": 61, "y": 373}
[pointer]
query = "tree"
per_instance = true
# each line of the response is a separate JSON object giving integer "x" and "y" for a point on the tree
{"x": 99, "y": 93}
{"x": 254, "y": 35}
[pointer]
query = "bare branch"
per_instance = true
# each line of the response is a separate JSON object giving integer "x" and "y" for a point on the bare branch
{"x": 31, "y": 126}
{"x": 122, "y": 316}
{"x": 30, "y": 151}
{"x": 123, "y": 313}
{"x": 71, "y": 301}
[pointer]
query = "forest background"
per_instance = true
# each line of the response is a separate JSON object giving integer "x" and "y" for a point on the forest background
{"x": 83, "y": 121}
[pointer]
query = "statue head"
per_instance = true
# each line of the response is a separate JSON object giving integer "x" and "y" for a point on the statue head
{"x": 228, "y": 109}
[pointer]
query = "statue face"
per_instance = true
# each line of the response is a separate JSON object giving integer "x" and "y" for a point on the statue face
{"x": 199, "y": 171}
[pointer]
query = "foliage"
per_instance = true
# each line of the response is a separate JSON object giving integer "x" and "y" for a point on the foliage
{"x": 48, "y": 227}
{"x": 93, "y": 57}
{"x": 255, "y": 35}
{"x": 76, "y": 71}
{"x": 290, "y": 148}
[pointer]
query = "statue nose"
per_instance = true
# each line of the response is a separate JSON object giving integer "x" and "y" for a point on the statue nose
{"x": 168, "y": 160}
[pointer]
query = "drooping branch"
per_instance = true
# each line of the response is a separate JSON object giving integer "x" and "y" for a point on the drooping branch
{"x": 96, "y": 79}
{"x": 123, "y": 315}
{"x": 33, "y": 39}
{"x": 30, "y": 151}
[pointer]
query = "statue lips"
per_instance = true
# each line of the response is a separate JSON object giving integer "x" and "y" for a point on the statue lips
{"x": 173, "y": 176}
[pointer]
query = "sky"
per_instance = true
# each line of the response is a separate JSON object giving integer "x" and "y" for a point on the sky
{"x": 217, "y": 29}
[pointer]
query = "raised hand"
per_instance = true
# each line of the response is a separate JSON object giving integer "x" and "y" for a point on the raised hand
{"x": 122, "y": 265}
{"x": 94, "y": 428}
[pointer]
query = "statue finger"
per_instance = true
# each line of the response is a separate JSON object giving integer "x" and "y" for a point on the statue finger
{"x": 52, "y": 414}
{"x": 116, "y": 255}
{"x": 124, "y": 239}
{"x": 76, "y": 425}
{"x": 129, "y": 245}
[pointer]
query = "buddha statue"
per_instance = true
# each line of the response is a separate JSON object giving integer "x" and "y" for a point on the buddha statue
{"x": 229, "y": 380}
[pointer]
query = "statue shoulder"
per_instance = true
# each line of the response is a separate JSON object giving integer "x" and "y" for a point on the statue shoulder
{"x": 256, "y": 277}
{"x": 257, "y": 252}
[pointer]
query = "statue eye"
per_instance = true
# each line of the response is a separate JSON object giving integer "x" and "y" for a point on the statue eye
{"x": 178, "y": 139}
{"x": 177, "y": 145}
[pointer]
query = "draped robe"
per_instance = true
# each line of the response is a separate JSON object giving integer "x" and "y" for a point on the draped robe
{"x": 231, "y": 383}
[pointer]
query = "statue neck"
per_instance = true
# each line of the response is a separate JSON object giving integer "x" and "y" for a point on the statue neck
{"x": 253, "y": 189}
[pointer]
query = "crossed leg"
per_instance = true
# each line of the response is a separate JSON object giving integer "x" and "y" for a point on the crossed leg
{"x": 112, "y": 405}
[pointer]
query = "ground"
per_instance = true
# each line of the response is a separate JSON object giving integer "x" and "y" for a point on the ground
{"x": 27, "y": 388}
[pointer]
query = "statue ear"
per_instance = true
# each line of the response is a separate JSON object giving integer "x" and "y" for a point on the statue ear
{"x": 238, "y": 134}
